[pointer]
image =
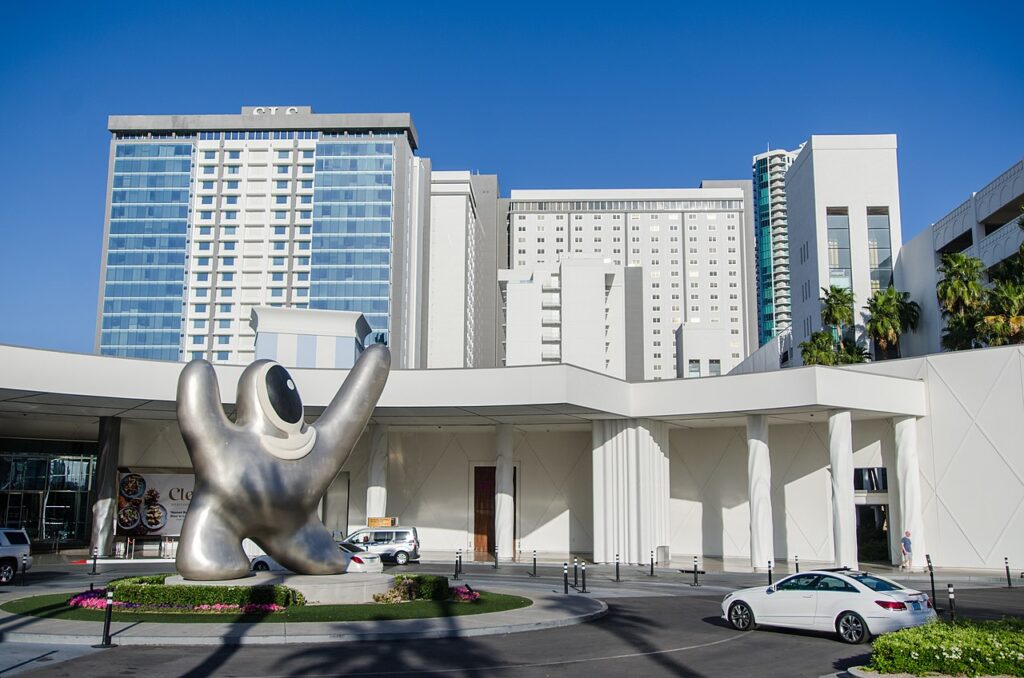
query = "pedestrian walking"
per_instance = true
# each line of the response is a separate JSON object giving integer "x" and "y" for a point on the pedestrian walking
{"x": 906, "y": 549}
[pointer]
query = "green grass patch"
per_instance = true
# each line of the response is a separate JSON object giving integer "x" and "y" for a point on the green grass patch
{"x": 968, "y": 648}
{"x": 54, "y": 606}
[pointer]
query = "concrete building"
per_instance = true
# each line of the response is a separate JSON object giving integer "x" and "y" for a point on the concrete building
{"x": 843, "y": 204}
{"x": 983, "y": 226}
{"x": 462, "y": 270}
{"x": 828, "y": 464}
{"x": 771, "y": 238}
{"x": 209, "y": 216}
{"x": 691, "y": 244}
{"x": 584, "y": 312}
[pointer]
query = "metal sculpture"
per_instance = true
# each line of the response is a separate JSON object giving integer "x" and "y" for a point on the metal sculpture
{"x": 263, "y": 475}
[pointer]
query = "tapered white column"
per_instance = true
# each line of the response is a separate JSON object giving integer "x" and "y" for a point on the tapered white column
{"x": 504, "y": 493}
{"x": 908, "y": 482}
{"x": 759, "y": 482}
{"x": 631, "y": 489}
{"x": 377, "y": 473}
{"x": 844, "y": 518}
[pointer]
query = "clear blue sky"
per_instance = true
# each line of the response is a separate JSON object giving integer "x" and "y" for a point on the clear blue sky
{"x": 546, "y": 95}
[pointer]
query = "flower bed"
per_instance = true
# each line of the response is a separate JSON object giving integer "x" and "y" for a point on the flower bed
{"x": 410, "y": 587}
{"x": 150, "y": 591}
{"x": 97, "y": 600}
{"x": 962, "y": 648}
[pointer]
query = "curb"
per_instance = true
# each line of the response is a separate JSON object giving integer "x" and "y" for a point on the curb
{"x": 341, "y": 636}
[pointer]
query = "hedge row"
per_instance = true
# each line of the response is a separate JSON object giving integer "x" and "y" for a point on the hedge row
{"x": 962, "y": 648}
{"x": 428, "y": 586}
{"x": 151, "y": 591}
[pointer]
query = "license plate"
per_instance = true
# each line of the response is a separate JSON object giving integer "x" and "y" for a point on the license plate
{"x": 915, "y": 606}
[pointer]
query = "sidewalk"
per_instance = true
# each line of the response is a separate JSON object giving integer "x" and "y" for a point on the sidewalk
{"x": 548, "y": 611}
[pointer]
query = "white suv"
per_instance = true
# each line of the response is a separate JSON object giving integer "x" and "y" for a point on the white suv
{"x": 14, "y": 545}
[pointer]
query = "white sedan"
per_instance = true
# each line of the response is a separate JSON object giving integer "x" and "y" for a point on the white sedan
{"x": 358, "y": 561}
{"x": 855, "y": 605}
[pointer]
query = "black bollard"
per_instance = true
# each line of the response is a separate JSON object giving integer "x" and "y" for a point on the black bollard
{"x": 534, "y": 562}
{"x": 106, "y": 621}
{"x": 495, "y": 557}
{"x": 575, "y": 572}
{"x": 652, "y": 563}
{"x": 931, "y": 575}
{"x": 90, "y": 586}
{"x": 565, "y": 578}
{"x": 797, "y": 564}
{"x": 617, "y": 567}
{"x": 1009, "y": 583}
{"x": 952, "y": 602}
{"x": 769, "y": 573}
{"x": 95, "y": 555}
{"x": 584, "y": 589}
{"x": 456, "y": 575}
{"x": 24, "y": 570}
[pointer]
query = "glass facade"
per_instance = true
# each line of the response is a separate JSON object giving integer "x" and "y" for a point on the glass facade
{"x": 352, "y": 228}
{"x": 763, "y": 253}
{"x": 840, "y": 273}
{"x": 44, "y": 488}
{"x": 146, "y": 249}
{"x": 879, "y": 248}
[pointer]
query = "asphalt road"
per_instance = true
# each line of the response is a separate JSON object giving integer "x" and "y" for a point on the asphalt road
{"x": 646, "y": 633}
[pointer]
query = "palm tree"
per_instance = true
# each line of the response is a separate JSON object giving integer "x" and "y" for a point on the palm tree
{"x": 891, "y": 313}
{"x": 1003, "y": 322}
{"x": 851, "y": 352}
{"x": 960, "y": 296}
{"x": 818, "y": 349}
{"x": 837, "y": 310}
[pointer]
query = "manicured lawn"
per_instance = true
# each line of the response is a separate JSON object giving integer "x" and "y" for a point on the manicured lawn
{"x": 53, "y": 606}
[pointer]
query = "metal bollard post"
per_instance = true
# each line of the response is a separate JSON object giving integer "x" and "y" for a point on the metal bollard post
{"x": 952, "y": 602}
{"x": 696, "y": 581}
{"x": 457, "y": 554}
{"x": 769, "y": 573}
{"x": 931, "y": 575}
{"x": 584, "y": 589}
{"x": 90, "y": 586}
{"x": 652, "y": 563}
{"x": 534, "y": 562}
{"x": 797, "y": 564}
{"x": 106, "y": 621}
{"x": 1009, "y": 583}
{"x": 95, "y": 555}
{"x": 575, "y": 572}
{"x": 565, "y": 578}
{"x": 617, "y": 567}
{"x": 24, "y": 570}
{"x": 495, "y": 557}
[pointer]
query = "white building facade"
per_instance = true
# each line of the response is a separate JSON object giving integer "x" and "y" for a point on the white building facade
{"x": 584, "y": 312}
{"x": 462, "y": 270}
{"x": 692, "y": 245}
{"x": 843, "y": 207}
{"x": 983, "y": 226}
{"x": 209, "y": 216}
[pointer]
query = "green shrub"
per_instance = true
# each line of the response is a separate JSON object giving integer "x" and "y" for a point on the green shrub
{"x": 428, "y": 586}
{"x": 961, "y": 648}
{"x": 151, "y": 591}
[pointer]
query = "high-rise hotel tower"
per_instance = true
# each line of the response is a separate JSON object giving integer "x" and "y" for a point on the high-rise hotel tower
{"x": 209, "y": 216}
{"x": 771, "y": 243}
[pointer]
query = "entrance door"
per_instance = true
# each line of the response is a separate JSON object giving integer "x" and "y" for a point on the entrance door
{"x": 483, "y": 509}
{"x": 873, "y": 533}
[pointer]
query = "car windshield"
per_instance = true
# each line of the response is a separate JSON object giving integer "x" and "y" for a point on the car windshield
{"x": 874, "y": 583}
{"x": 351, "y": 548}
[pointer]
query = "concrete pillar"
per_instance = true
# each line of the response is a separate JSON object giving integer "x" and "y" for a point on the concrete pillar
{"x": 844, "y": 517}
{"x": 631, "y": 489}
{"x": 908, "y": 482}
{"x": 104, "y": 505}
{"x": 759, "y": 479}
{"x": 504, "y": 493}
{"x": 377, "y": 473}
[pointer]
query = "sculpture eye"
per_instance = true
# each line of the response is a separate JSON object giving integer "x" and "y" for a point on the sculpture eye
{"x": 284, "y": 397}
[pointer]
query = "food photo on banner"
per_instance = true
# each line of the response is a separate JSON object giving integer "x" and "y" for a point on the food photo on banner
{"x": 153, "y": 503}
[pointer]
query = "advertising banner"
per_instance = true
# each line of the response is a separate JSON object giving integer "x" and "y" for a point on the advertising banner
{"x": 153, "y": 503}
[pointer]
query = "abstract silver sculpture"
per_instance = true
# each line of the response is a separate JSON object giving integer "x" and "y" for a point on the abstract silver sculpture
{"x": 263, "y": 475}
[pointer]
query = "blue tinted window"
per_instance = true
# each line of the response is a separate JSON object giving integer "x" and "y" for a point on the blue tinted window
{"x": 209, "y": 155}
{"x": 231, "y": 185}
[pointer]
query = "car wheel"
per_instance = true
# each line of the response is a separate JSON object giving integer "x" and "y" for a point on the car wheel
{"x": 851, "y": 628}
{"x": 741, "y": 617}
{"x": 260, "y": 566}
{"x": 7, "y": 571}
{"x": 401, "y": 558}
